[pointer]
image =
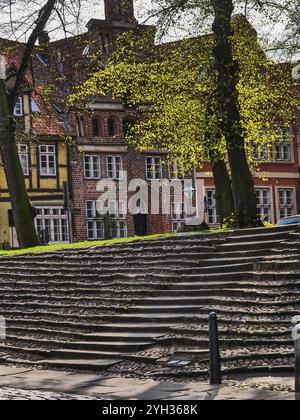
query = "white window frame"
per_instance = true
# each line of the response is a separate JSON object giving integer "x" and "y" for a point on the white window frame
{"x": 18, "y": 110}
{"x": 50, "y": 154}
{"x": 175, "y": 172}
{"x": 179, "y": 215}
{"x": 213, "y": 218}
{"x": 152, "y": 164}
{"x": 53, "y": 220}
{"x": 23, "y": 152}
{"x": 112, "y": 164}
{"x": 283, "y": 151}
{"x": 284, "y": 206}
{"x": 118, "y": 216}
{"x": 34, "y": 106}
{"x": 94, "y": 220}
{"x": 260, "y": 155}
{"x": 92, "y": 166}
{"x": 261, "y": 206}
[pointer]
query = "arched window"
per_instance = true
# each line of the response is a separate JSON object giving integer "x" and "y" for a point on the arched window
{"x": 112, "y": 127}
{"x": 128, "y": 124}
{"x": 80, "y": 126}
{"x": 95, "y": 127}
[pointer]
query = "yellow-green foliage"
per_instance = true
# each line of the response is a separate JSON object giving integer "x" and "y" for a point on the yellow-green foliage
{"x": 171, "y": 91}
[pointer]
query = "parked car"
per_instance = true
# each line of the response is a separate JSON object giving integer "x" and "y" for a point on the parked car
{"x": 291, "y": 220}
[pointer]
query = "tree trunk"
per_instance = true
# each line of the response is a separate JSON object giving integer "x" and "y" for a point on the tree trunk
{"x": 223, "y": 196}
{"x": 23, "y": 212}
{"x": 230, "y": 118}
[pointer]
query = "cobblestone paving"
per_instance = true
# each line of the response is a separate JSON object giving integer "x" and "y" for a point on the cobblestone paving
{"x": 20, "y": 394}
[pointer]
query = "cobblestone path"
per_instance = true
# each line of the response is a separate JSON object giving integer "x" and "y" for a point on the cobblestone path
{"x": 20, "y": 394}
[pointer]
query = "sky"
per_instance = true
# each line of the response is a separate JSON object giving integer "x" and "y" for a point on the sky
{"x": 95, "y": 9}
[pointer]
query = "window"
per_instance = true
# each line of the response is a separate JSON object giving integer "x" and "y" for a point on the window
{"x": 95, "y": 127}
{"x": 282, "y": 148}
{"x": 114, "y": 167}
{"x": 154, "y": 168}
{"x": 283, "y": 151}
{"x": 117, "y": 214}
{"x": 179, "y": 215}
{"x": 286, "y": 202}
{"x": 128, "y": 128}
{"x": 259, "y": 152}
{"x": 286, "y": 134}
{"x": 34, "y": 106}
{"x": 92, "y": 169}
{"x": 24, "y": 158}
{"x": 211, "y": 207}
{"x": 86, "y": 51}
{"x": 18, "y": 111}
{"x": 112, "y": 127}
{"x": 94, "y": 220}
{"x": 176, "y": 172}
{"x": 80, "y": 126}
{"x": 53, "y": 221}
{"x": 263, "y": 204}
{"x": 47, "y": 154}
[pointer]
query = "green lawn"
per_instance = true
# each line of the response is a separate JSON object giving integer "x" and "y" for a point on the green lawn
{"x": 88, "y": 244}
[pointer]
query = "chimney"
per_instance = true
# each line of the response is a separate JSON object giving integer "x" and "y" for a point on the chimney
{"x": 119, "y": 10}
{"x": 44, "y": 38}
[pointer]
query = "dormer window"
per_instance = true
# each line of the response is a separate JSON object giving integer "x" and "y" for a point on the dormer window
{"x": 43, "y": 58}
{"x": 86, "y": 51}
{"x": 18, "y": 111}
{"x": 34, "y": 106}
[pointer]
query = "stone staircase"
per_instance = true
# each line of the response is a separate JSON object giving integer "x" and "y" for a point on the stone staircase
{"x": 141, "y": 308}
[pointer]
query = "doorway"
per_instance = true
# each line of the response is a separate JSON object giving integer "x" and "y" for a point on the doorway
{"x": 140, "y": 224}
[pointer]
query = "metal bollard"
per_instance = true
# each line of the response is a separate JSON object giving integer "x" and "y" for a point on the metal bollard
{"x": 214, "y": 351}
{"x": 296, "y": 338}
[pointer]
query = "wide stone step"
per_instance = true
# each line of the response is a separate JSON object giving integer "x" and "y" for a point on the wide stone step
{"x": 129, "y": 304}
{"x": 258, "y": 231}
{"x": 119, "y": 270}
{"x": 73, "y": 297}
{"x": 35, "y": 333}
{"x": 106, "y": 278}
{"x": 63, "y": 364}
{"x": 96, "y": 365}
{"x": 254, "y": 245}
{"x": 84, "y": 354}
{"x": 27, "y": 291}
{"x": 109, "y": 253}
{"x": 279, "y": 265}
{"x": 120, "y": 346}
{"x": 262, "y": 237}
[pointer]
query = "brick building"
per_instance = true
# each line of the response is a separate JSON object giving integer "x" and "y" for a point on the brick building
{"x": 99, "y": 151}
{"x": 276, "y": 183}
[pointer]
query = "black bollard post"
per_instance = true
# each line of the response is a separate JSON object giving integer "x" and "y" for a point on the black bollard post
{"x": 297, "y": 369}
{"x": 214, "y": 351}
